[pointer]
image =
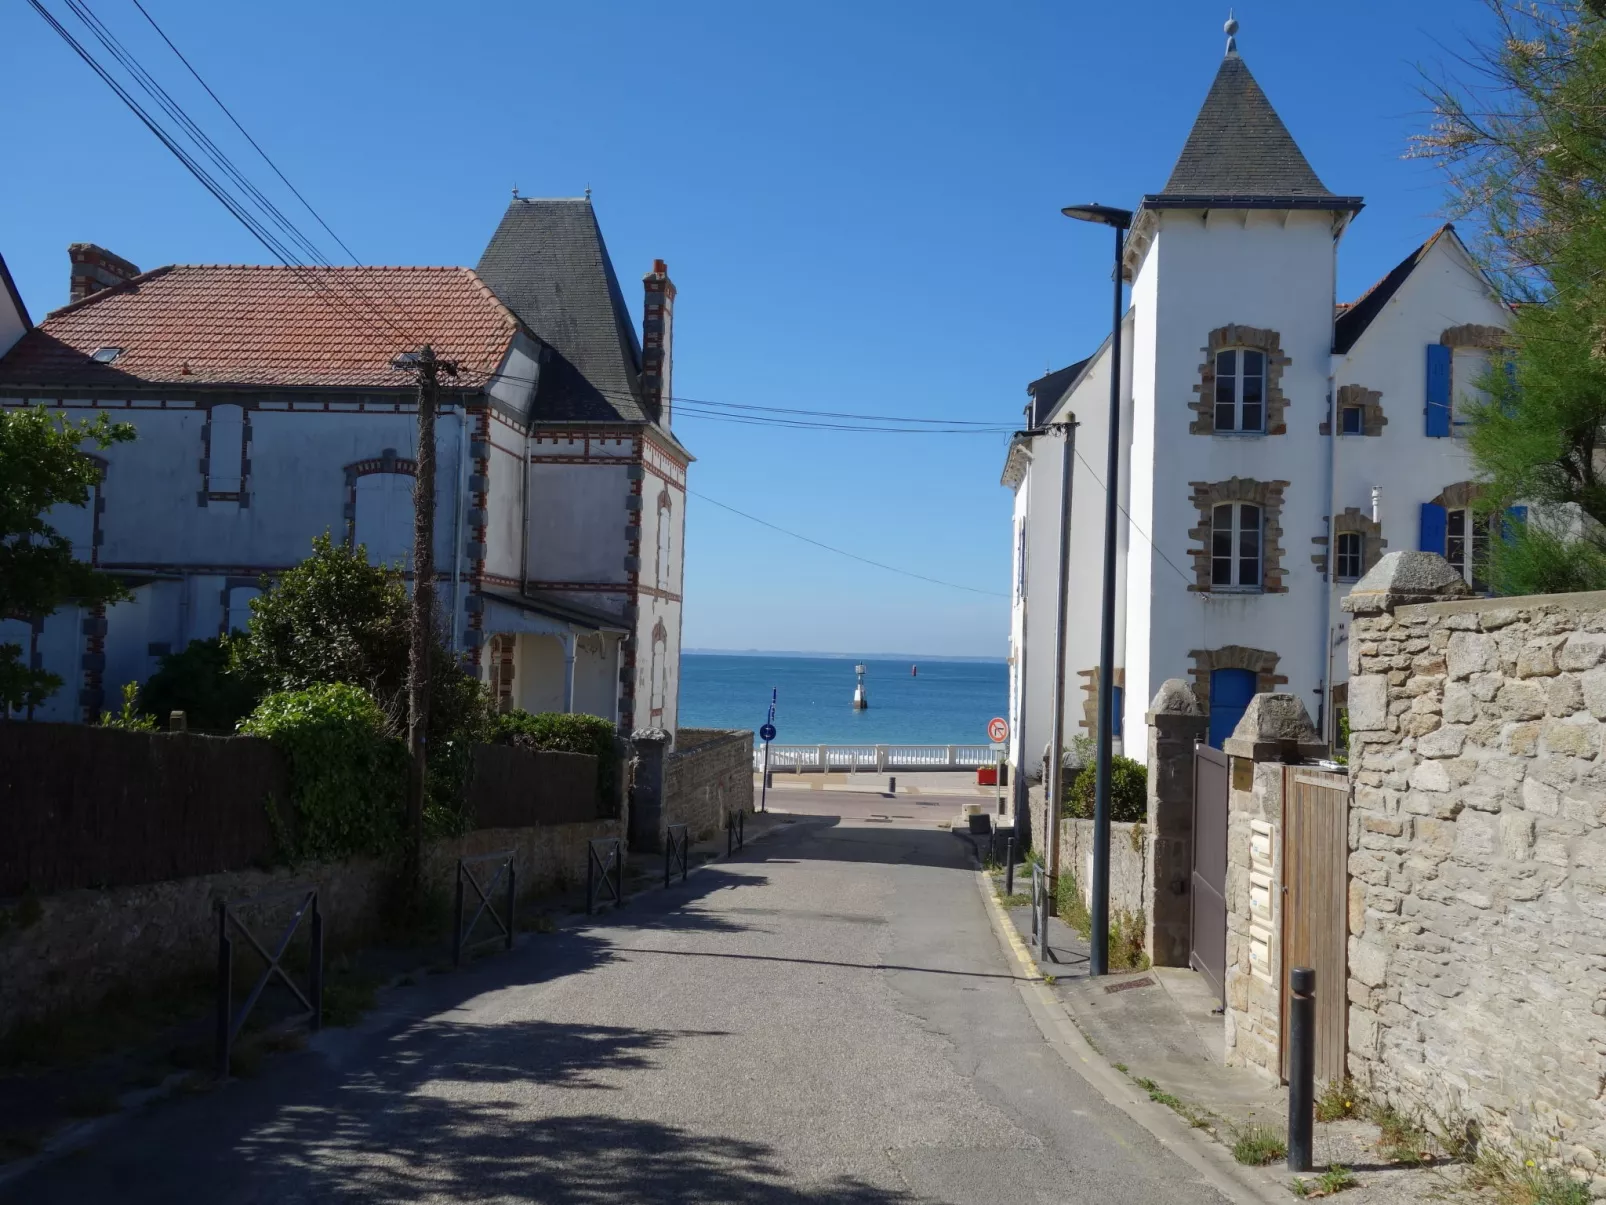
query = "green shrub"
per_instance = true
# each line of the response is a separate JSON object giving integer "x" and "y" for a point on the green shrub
{"x": 348, "y": 776}
{"x": 1129, "y": 791}
{"x": 565, "y": 734}
{"x": 130, "y": 718}
{"x": 200, "y": 682}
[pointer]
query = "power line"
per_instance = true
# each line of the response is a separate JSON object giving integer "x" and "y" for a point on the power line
{"x": 843, "y": 552}
{"x": 1098, "y": 482}
{"x": 227, "y": 113}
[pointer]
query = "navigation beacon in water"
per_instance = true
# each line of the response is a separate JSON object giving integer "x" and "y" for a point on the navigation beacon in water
{"x": 860, "y": 699}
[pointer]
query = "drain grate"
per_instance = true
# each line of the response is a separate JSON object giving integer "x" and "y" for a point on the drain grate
{"x": 1129, "y": 985}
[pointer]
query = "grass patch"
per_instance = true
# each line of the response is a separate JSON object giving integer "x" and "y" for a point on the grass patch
{"x": 1126, "y": 951}
{"x": 1019, "y": 900}
{"x": 1197, "y": 1118}
{"x": 1400, "y": 1138}
{"x": 1338, "y": 1100}
{"x": 1523, "y": 1180}
{"x": 1258, "y": 1145}
{"x": 1336, "y": 1178}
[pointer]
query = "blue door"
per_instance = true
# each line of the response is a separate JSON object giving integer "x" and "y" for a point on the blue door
{"x": 1230, "y": 692}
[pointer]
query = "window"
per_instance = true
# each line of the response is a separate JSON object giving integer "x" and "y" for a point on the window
{"x": 1469, "y": 366}
{"x": 1235, "y": 547}
{"x": 1351, "y": 420}
{"x": 1020, "y": 563}
{"x": 1240, "y": 390}
{"x": 383, "y": 517}
{"x": 1466, "y": 545}
{"x": 105, "y": 355}
{"x": 225, "y": 449}
{"x": 1351, "y": 555}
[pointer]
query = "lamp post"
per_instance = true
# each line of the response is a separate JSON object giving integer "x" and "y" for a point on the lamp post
{"x": 1099, "y": 957}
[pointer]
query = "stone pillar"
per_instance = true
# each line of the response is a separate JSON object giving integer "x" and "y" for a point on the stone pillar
{"x": 1275, "y": 731}
{"x": 648, "y": 807}
{"x": 1176, "y": 723}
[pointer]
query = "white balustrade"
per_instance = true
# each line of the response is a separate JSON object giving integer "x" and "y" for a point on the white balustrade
{"x": 805, "y": 759}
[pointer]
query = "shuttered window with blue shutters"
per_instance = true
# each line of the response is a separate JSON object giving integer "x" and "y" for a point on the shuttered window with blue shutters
{"x": 1435, "y": 519}
{"x": 1438, "y": 391}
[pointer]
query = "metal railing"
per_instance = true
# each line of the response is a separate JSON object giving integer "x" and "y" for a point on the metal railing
{"x": 605, "y": 871}
{"x": 504, "y": 926}
{"x": 677, "y": 851}
{"x": 229, "y": 1023}
{"x": 1040, "y": 911}
{"x": 735, "y": 832}
{"x": 815, "y": 759}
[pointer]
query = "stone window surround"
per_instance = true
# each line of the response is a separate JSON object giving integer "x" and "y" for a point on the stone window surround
{"x": 386, "y": 462}
{"x": 1372, "y": 543}
{"x": 1370, "y": 401}
{"x": 1261, "y": 662}
{"x": 206, "y": 493}
{"x": 1090, "y": 696}
{"x": 1255, "y": 339}
{"x": 1268, "y": 495}
{"x": 1471, "y": 334}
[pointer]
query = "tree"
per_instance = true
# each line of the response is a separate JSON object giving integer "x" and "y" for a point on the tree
{"x": 1523, "y": 143}
{"x": 336, "y": 618}
{"x": 42, "y": 465}
{"x": 201, "y": 682}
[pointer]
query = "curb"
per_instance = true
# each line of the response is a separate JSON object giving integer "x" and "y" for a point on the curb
{"x": 1212, "y": 1161}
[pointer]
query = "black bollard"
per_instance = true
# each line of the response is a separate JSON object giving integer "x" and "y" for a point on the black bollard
{"x": 1009, "y": 867}
{"x": 1301, "y": 1067}
{"x": 892, "y": 786}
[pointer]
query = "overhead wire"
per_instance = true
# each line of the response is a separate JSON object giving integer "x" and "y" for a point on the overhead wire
{"x": 936, "y": 581}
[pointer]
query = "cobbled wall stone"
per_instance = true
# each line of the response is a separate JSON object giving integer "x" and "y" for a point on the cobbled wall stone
{"x": 708, "y": 777}
{"x": 69, "y": 950}
{"x": 1477, "y": 904}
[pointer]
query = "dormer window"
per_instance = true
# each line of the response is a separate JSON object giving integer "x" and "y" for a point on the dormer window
{"x": 105, "y": 355}
{"x": 1240, "y": 391}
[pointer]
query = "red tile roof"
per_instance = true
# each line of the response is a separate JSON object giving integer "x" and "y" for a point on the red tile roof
{"x": 237, "y": 324}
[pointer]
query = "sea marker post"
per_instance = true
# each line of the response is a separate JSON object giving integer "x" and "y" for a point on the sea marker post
{"x": 767, "y": 734}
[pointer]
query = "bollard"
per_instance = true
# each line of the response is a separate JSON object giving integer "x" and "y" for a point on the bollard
{"x": 1301, "y": 1067}
{"x": 1009, "y": 867}
{"x": 892, "y": 786}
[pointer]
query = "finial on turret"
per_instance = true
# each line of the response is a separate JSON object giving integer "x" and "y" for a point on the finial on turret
{"x": 515, "y": 192}
{"x": 1231, "y": 30}
{"x": 588, "y": 192}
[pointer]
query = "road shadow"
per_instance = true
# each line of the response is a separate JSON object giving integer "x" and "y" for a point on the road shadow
{"x": 445, "y": 1111}
{"x": 833, "y": 839}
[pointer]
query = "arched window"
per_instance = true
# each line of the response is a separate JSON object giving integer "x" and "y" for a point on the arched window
{"x": 1235, "y": 546}
{"x": 1240, "y": 390}
{"x": 383, "y": 522}
{"x": 665, "y": 513}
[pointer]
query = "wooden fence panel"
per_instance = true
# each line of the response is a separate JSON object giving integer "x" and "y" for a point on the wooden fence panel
{"x": 1316, "y": 906}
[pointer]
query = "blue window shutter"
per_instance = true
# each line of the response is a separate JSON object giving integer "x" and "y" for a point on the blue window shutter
{"x": 1435, "y": 522}
{"x": 1514, "y": 515}
{"x": 1438, "y": 391}
{"x": 1117, "y": 703}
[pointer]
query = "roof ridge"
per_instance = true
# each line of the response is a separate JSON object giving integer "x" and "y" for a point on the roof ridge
{"x": 102, "y": 294}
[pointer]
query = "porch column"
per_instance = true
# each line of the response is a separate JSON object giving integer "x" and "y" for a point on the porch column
{"x": 568, "y": 672}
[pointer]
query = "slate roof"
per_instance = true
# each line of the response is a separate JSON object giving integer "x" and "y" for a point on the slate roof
{"x": 1240, "y": 150}
{"x": 548, "y": 263}
{"x": 237, "y": 324}
{"x": 10, "y": 287}
{"x": 1047, "y": 391}
{"x": 1352, "y": 319}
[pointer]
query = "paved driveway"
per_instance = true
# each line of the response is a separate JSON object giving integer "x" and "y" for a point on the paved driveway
{"x": 828, "y": 1018}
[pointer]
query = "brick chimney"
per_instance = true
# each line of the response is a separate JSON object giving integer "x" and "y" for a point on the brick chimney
{"x": 657, "y": 341}
{"x": 95, "y": 268}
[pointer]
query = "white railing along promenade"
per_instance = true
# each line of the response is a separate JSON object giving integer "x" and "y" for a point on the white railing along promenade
{"x": 815, "y": 759}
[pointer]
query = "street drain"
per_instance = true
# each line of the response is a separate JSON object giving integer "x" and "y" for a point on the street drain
{"x": 1129, "y": 985}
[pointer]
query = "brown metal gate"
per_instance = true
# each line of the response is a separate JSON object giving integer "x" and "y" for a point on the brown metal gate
{"x": 1316, "y": 905}
{"x": 1207, "y": 950}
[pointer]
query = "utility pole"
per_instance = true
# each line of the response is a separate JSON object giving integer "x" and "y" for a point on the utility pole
{"x": 1054, "y": 787}
{"x": 421, "y": 632}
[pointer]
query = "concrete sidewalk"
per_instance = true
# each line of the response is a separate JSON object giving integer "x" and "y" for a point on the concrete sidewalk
{"x": 916, "y": 782}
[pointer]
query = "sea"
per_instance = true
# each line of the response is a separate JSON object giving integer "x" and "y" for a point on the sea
{"x": 945, "y": 703}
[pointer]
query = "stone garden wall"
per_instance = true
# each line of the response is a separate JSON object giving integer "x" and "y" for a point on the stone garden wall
{"x": 1477, "y": 907}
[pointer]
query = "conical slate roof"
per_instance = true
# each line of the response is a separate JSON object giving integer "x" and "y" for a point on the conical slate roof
{"x": 548, "y": 264}
{"x": 1240, "y": 149}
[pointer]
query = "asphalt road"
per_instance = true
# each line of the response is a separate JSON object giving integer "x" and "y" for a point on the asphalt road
{"x": 826, "y": 1018}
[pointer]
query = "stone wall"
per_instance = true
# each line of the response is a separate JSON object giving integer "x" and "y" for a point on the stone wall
{"x": 1477, "y": 908}
{"x": 707, "y": 782}
{"x": 1129, "y": 863}
{"x": 69, "y": 950}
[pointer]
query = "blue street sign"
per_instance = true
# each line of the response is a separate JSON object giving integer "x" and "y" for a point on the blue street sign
{"x": 767, "y": 732}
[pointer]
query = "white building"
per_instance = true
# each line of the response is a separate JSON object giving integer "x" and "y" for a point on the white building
{"x": 267, "y": 412}
{"x": 1260, "y": 420}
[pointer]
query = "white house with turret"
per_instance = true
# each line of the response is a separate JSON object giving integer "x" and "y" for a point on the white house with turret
{"x": 1274, "y": 443}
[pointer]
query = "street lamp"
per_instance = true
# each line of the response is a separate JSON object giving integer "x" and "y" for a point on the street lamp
{"x": 1099, "y": 957}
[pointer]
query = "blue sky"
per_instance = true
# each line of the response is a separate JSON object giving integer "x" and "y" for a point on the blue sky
{"x": 859, "y": 203}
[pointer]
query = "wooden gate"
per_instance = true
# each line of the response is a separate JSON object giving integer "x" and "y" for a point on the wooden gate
{"x": 1207, "y": 950}
{"x": 1316, "y": 905}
